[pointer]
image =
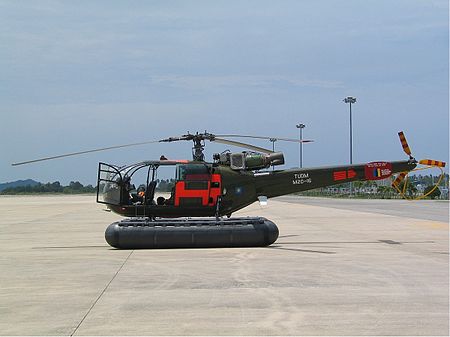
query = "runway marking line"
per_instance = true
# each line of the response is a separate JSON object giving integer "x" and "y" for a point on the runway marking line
{"x": 101, "y": 294}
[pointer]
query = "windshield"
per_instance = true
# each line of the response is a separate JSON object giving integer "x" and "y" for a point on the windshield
{"x": 185, "y": 172}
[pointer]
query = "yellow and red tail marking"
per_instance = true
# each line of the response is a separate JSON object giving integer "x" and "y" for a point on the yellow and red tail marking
{"x": 404, "y": 143}
{"x": 399, "y": 179}
{"x": 432, "y": 162}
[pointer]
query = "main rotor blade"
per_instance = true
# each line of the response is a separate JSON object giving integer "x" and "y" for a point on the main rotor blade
{"x": 175, "y": 139}
{"x": 244, "y": 145}
{"x": 269, "y": 138}
{"x": 83, "y": 152}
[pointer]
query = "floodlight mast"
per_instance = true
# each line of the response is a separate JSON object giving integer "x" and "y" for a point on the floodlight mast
{"x": 351, "y": 100}
{"x": 300, "y": 128}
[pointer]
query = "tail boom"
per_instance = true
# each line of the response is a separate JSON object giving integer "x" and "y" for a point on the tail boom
{"x": 277, "y": 183}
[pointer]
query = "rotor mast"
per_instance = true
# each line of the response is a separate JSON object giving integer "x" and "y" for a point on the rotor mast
{"x": 199, "y": 143}
{"x": 199, "y": 146}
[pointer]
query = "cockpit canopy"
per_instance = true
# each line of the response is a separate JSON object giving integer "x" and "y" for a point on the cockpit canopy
{"x": 116, "y": 185}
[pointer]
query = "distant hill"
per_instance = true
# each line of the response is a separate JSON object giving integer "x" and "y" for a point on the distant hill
{"x": 18, "y": 183}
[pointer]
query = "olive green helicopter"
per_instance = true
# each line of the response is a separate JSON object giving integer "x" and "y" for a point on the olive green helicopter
{"x": 197, "y": 211}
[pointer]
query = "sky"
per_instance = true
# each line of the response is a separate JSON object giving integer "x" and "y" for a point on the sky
{"x": 77, "y": 75}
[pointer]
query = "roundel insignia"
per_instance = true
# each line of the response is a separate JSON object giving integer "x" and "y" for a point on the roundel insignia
{"x": 238, "y": 190}
{"x": 378, "y": 170}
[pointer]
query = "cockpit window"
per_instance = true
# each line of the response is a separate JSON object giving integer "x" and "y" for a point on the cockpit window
{"x": 184, "y": 172}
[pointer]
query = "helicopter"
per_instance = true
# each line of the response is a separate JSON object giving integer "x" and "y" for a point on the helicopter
{"x": 204, "y": 193}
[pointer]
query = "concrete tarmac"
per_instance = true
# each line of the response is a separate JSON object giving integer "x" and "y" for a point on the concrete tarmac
{"x": 424, "y": 209}
{"x": 335, "y": 270}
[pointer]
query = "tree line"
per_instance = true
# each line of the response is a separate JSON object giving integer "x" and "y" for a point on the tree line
{"x": 165, "y": 185}
{"x": 75, "y": 187}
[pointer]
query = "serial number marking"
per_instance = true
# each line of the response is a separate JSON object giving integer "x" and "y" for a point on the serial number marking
{"x": 302, "y": 181}
{"x": 301, "y": 178}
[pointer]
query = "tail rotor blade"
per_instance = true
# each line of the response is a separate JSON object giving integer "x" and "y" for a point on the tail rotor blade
{"x": 396, "y": 183}
{"x": 431, "y": 162}
{"x": 404, "y": 143}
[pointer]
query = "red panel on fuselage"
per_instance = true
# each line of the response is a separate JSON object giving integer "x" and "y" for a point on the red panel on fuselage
{"x": 215, "y": 192}
{"x": 208, "y": 195}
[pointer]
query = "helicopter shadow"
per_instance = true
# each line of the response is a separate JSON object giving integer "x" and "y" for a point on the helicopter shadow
{"x": 288, "y": 236}
{"x": 327, "y": 243}
{"x": 280, "y": 247}
{"x": 68, "y": 247}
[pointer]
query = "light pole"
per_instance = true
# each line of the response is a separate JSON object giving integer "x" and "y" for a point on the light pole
{"x": 273, "y": 140}
{"x": 300, "y": 128}
{"x": 351, "y": 100}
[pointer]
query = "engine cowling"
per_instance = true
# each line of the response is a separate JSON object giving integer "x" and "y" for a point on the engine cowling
{"x": 251, "y": 160}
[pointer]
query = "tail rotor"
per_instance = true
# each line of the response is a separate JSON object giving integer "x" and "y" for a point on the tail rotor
{"x": 402, "y": 177}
